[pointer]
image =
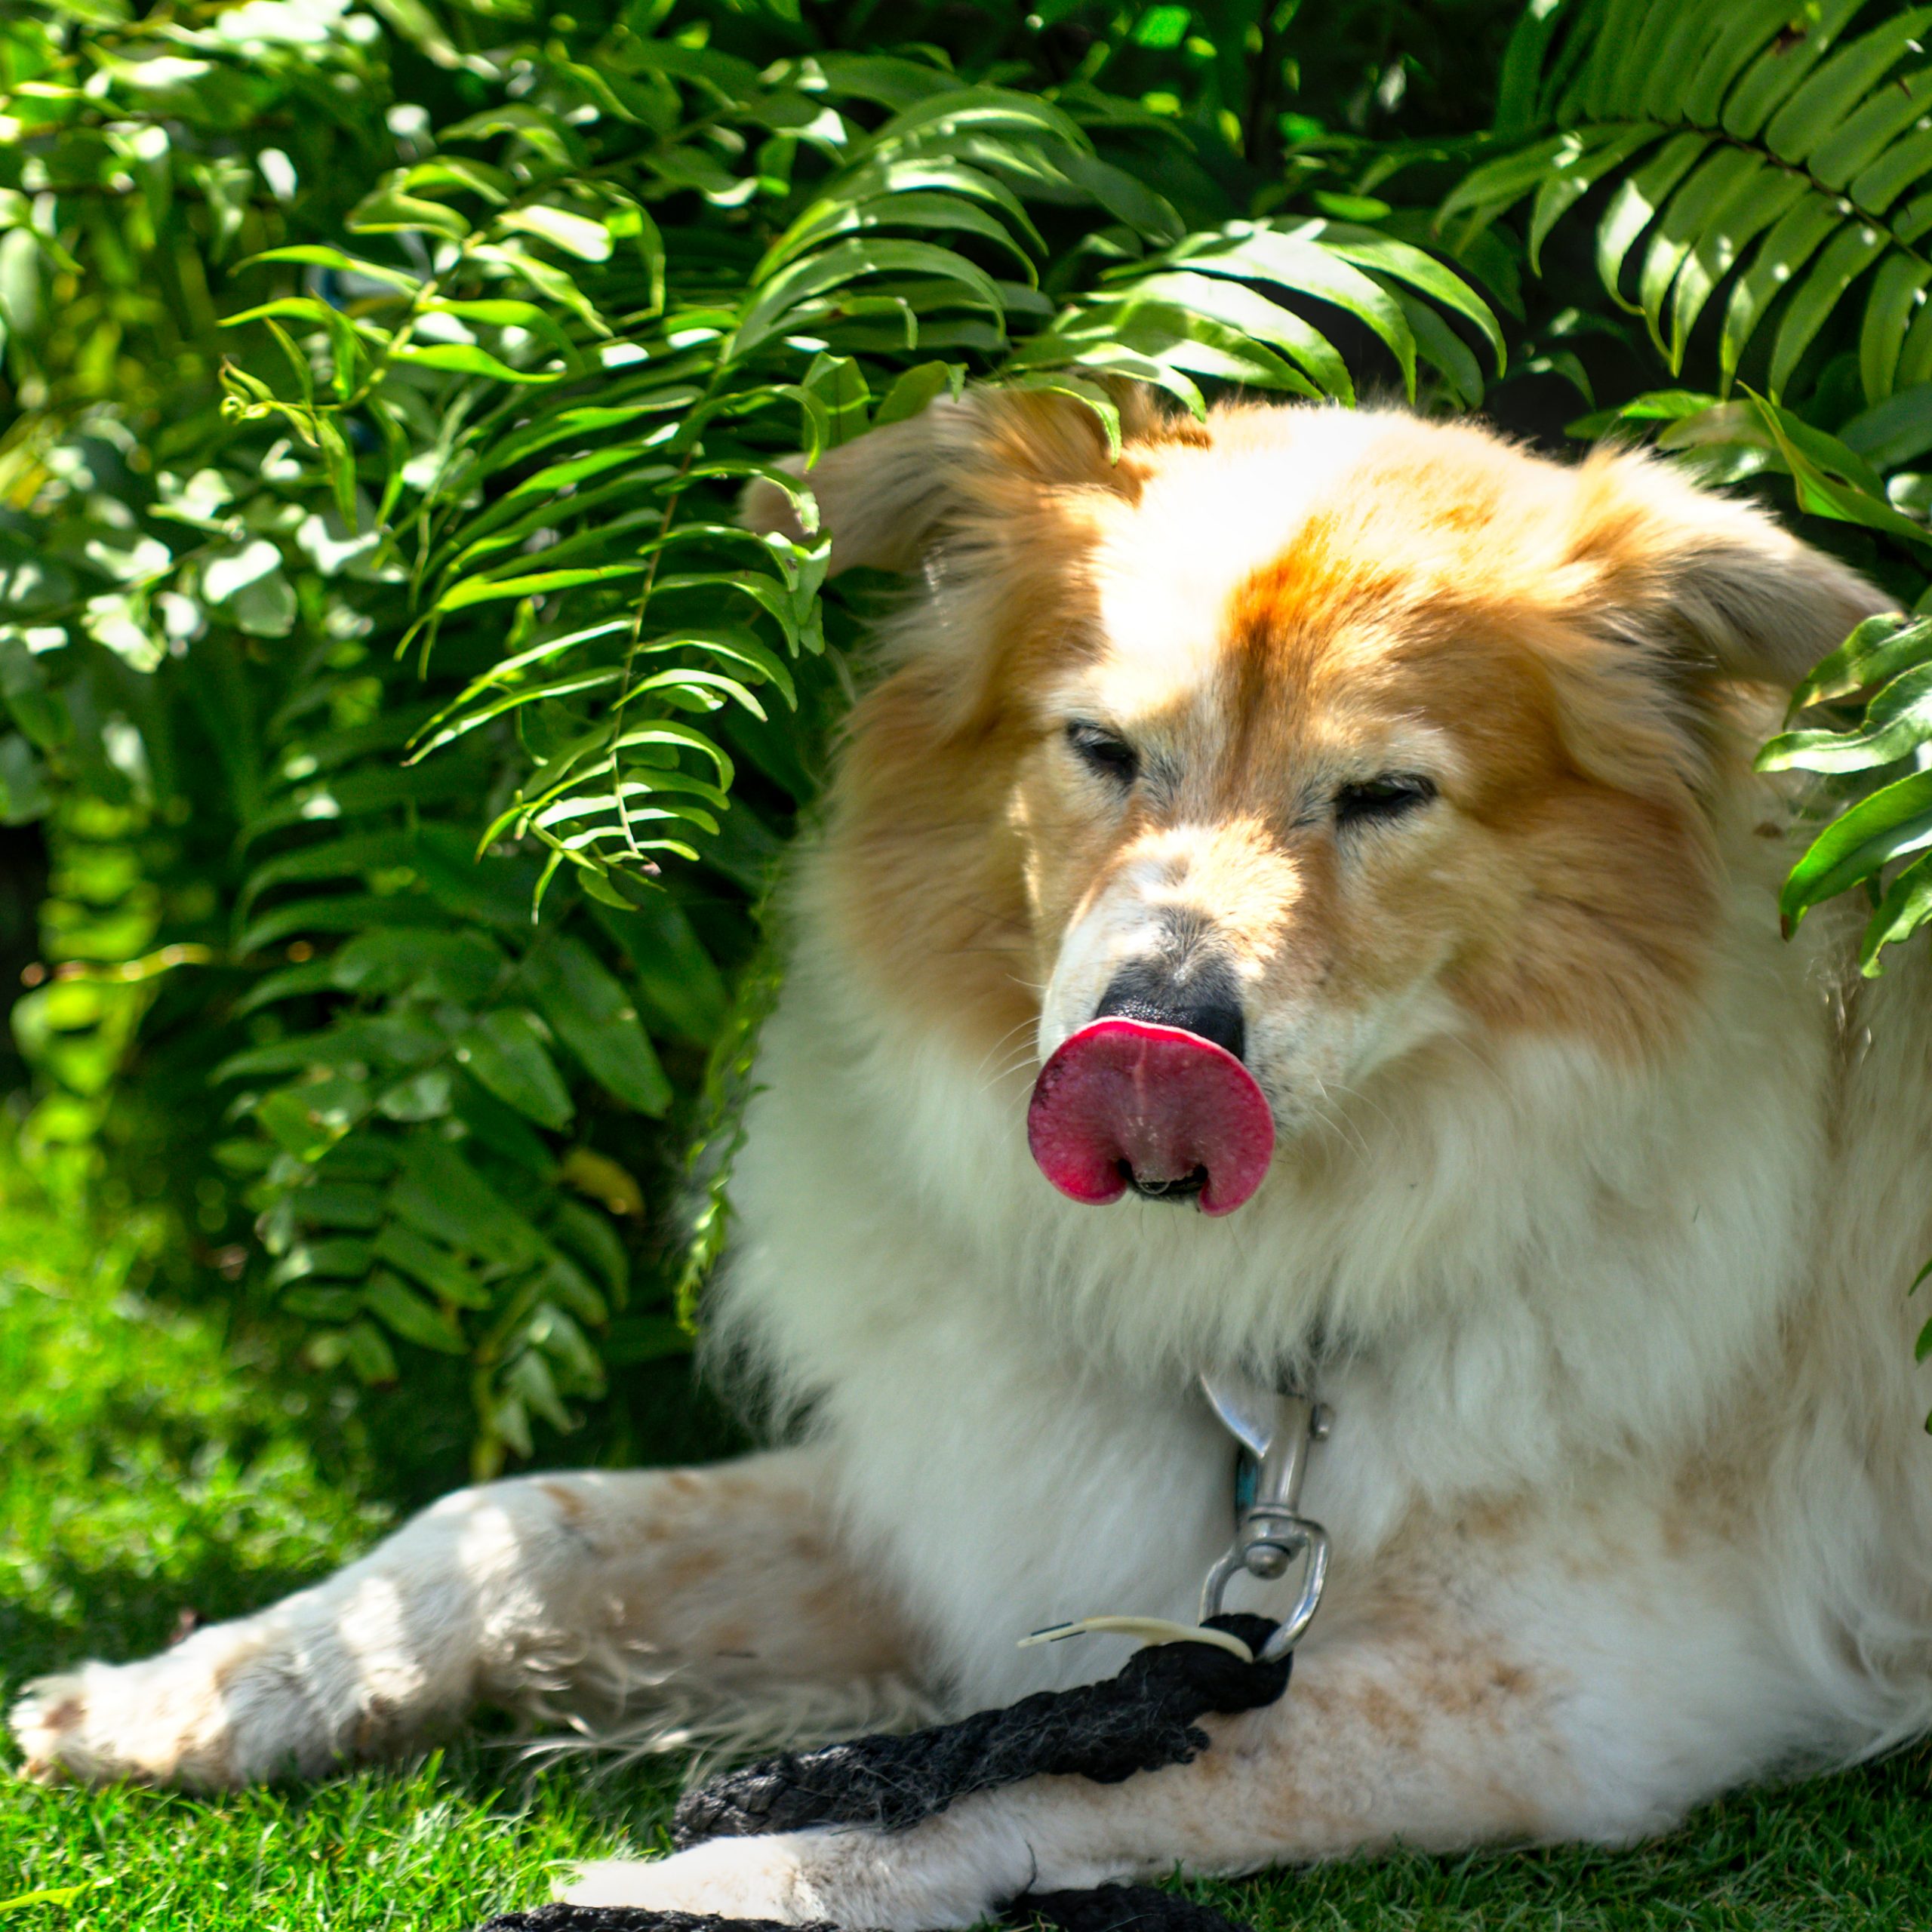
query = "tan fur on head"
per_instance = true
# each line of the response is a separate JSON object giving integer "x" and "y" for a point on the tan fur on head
{"x": 1281, "y": 601}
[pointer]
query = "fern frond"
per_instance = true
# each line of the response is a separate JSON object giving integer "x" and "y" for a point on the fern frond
{"x": 1758, "y": 147}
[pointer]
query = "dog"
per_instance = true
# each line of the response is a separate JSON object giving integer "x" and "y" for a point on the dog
{"x": 1399, "y": 782}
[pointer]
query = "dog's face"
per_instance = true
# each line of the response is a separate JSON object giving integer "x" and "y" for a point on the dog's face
{"x": 1335, "y": 739}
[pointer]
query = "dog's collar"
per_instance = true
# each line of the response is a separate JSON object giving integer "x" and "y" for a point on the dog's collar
{"x": 1276, "y": 1429}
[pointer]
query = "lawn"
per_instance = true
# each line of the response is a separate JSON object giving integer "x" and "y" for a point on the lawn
{"x": 149, "y": 1468}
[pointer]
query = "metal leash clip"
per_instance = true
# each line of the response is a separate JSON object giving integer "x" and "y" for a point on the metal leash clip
{"x": 1275, "y": 1427}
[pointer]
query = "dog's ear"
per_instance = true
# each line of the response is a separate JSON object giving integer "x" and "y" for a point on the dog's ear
{"x": 1710, "y": 587}
{"x": 886, "y": 497}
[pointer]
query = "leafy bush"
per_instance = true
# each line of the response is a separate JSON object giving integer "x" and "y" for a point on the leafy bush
{"x": 414, "y": 734}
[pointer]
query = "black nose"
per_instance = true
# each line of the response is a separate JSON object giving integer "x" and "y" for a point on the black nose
{"x": 1203, "y": 1001}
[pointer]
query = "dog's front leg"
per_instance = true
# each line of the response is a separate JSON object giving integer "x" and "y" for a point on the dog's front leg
{"x": 573, "y": 1592}
{"x": 1436, "y": 1743}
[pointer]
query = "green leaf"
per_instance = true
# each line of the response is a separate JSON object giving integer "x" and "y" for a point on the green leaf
{"x": 345, "y": 913}
{"x": 319, "y": 1302}
{"x": 440, "y": 1195}
{"x": 1240, "y": 307}
{"x": 418, "y": 25}
{"x": 1816, "y": 111}
{"x": 939, "y": 122}
{"x": 1894, "y": 822}
{"x": 390, "y": 211}
{"x": 505, "y": 1050}
{"x": 1701, "y": 205}
{"x": 1852, "y": 250}
{"x": 573, "y": 421}
{"x": 1797, "y": 235}
{"x": 499, "y": 312}
{"x": 389, "y": 1039}
{"x": 1495, "y": 187}
{"x": 589, "y": 1235}
{"x": 487, "y": 590}
{"x": 1852, "y": 148}
{"x": 1399, "y": 261}
{"x": 1833, "y": 481}
{"x": 1915, "y": 366}
{"x": 1744, "y": 27}
{"x": 1720, "y": 248}
{"x": 532, "y": 1383}
{"x": 1876, "y": 652}
{"x": 1582, "y": 161}
{"x": 576, "y": 235}
{"x": 341, "y": 1259}
{"x": 567, "y": 1283}
{"x": 369, "y": 1355}
{"x": 318, "y": 257}
{"x": 1895, "y": 171}
{"x": 1124, "y": 198}
{"x": 1295, "y": 261}
{"x": 339, "y": 1204}
{"x": 431, "y": 1264}
{"x": 503, "y": 1131}
{"x": 924, "y": 211}
{"x": 1897, "y": 291}
{"x": 1891, "y": 433}
{"x": 676, "y": 981}
{"x": 1896, "y": 723}
{"x": 1175, "y": 337}
{"x": 847, "y": 261}
{"x": 401, "y": 1309}
{"x": 914, "y": 388}
{"x": 462, "y": 966}
{"x": 592, "y": 1014}
{"x": 1635, "y": 204}
{"x": 333, "y": 858}
{"x": 539, "y": 129}
{"x": 465, "y": 359}
{"x": 1781, "y": 68}
{"x": 1440, "y": 346}
{"x": 547, "y": 280}
{"x": 573, "y": 684}
{"x": 1906, "y": 907}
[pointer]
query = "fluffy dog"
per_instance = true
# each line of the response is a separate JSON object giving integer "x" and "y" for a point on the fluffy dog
{"x": 1413, "y": 773}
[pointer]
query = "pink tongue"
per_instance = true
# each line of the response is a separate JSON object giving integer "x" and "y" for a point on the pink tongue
{"x": 1122, "y": 1095}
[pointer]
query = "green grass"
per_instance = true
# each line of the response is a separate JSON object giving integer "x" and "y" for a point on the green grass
{"x": 149, "y": 1466}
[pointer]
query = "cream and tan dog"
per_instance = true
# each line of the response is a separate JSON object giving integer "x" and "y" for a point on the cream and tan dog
{"x": 1414, "y": 773}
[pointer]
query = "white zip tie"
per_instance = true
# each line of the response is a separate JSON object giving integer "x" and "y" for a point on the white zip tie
{"x": 1148, "y": 1630}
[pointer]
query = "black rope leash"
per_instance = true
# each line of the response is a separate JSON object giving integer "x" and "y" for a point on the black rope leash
{"x": 1140, "y": 1720}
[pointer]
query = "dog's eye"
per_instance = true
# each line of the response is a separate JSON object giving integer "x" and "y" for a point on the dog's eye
{"x": 1112, "y": 758}
{"x": 1377, "y": 799}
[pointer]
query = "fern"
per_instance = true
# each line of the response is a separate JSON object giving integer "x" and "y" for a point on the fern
{"x": 1771, "y": 160}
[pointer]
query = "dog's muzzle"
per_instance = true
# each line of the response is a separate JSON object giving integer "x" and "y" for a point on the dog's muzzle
{"x": 1125, "y": 1103}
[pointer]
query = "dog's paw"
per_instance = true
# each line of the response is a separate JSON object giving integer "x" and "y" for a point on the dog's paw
{"x": 175, "y": 1719}
{"x": 947, "y": 1872}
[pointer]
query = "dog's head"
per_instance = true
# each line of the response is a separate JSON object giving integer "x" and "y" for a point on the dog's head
{"x": 1333, "y": 739}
